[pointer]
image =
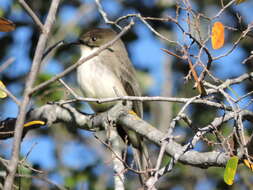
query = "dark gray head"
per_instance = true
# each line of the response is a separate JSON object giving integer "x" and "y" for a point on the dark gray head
{"x": 97, "y": 37}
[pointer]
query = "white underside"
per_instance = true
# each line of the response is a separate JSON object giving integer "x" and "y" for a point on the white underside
{"x": 97, "y": 81}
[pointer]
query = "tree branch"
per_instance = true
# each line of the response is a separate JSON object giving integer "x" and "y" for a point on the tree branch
{"x": 33, "y": 15}
{"x": 26, "y": 98}
{"x": 67, "y": 114}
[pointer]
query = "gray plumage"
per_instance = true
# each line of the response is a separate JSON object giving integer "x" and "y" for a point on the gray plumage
{"x": 111, "y": 74}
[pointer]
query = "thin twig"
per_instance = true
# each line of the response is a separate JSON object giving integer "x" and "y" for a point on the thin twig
{"x": 33, "y": 15}
{"x": 14, "y": 98}
{"x": 71, "y": 91}
{"x": 6, "y": 64}
{"x": 148, "y": 98}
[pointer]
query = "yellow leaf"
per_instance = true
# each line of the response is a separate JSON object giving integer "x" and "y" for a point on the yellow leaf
{"x": 35, "y": 122}
{"x": 248, "y": 164}
{"x": 239, "y": 1}
{"x": 230, "y": 170}
{"x": 2, "y": 93}
{"x": 217, "y": 35}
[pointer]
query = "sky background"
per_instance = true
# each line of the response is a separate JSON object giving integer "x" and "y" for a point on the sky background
{"x": 145, "y": 53}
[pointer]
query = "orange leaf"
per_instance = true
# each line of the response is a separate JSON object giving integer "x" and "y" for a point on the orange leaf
{"x": 239, "y": 1}
{"x": 6, "y": 25}
{"x": 217, "y": 35}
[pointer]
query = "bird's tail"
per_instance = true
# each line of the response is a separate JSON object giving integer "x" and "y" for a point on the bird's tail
{"x": 140, "y": 154}
{"x": 142, "y": 160}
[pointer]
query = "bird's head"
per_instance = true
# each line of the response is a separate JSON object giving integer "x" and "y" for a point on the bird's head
{"x": 97, "y": 37}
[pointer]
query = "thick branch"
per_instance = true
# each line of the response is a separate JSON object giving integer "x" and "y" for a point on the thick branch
{"x": 65, "y": 113}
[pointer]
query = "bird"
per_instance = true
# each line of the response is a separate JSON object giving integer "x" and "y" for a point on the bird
{"x": 111, "y": 74}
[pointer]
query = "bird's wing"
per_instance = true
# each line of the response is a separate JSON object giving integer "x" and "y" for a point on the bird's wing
{"x": 132, "y": 89}
{"x": 124, "y": 70}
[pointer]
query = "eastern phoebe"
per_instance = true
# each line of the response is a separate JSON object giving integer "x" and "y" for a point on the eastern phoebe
{"x": 110, "y": 74}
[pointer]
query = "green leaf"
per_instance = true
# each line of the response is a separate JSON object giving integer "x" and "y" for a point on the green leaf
{"x": 24, "y": 182}
{"x": 230, "y": 170}
{"x": 53, "y": 92}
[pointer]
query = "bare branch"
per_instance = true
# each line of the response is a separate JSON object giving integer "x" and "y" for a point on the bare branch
{"x": 14, "y": 98}
{"x": 32, "y": 14}
{"x": 23, "y": 106}
{"x": 6, "y": 64}
{"x": 68, "y": 114}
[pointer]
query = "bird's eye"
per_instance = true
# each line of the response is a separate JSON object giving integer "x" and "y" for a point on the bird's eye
{"x": 94, "y": 39}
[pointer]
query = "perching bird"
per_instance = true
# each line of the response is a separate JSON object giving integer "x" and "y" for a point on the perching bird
{"x": 110, "y": 74}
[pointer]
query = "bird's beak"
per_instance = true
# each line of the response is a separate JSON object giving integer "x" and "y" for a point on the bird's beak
{"x": 82, "y": 42}
{"x": 63, "y": 44}
{"x": 77, "y": 42}
{"x": 74, "y": 43}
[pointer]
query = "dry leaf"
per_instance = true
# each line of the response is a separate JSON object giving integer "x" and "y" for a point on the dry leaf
{"x": 199, "y": 83}
{"x": 217, "y": 35}
{"x": 6, "y": 25}
{"x": 239, "y": 1}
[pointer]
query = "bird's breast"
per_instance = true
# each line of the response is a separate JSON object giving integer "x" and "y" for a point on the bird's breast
{"x": 96, "y": 80}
